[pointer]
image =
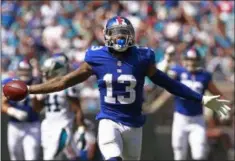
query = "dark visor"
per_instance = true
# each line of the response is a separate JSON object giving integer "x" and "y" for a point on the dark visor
{"x": 119, "y": 31}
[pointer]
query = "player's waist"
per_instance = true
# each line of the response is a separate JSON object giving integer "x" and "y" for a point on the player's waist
{"x": 128, "y": 120}
{"x": 189, "y": 112}
{"x": 59, "y": 117}
{"x": 187, "y": 118}
{"x": 188, "y": 108}
{"x": 48, "y": 124}
{"x": 134, "y": 109}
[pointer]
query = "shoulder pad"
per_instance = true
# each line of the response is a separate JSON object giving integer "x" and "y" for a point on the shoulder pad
{"x": 144, "y": 48}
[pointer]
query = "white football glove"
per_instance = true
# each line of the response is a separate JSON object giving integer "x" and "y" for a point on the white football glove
{"x": 79, "y": 137}
{"x": 18, "y": 114}
{"x": 163, "y": 66}
{"x": 217, "y": 105}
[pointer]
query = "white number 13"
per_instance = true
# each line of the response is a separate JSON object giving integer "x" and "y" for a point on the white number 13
{"x": 121, "y": 79}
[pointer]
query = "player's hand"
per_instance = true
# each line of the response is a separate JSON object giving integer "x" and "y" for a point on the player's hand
{"x": 4, "y": 98}
{"x": 18, "y": 114}
{"x": 217, "y": 105}
{"x": 164, "y": 66}
{"x": 80, "y": 138}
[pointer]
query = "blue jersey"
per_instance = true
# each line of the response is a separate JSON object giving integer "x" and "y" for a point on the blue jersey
{"x": 198, "y": 82}
{"x": 25, "y": 105}
{"x": 121, "y": 83}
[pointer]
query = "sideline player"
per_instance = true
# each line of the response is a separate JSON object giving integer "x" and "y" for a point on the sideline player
{"x": 89, "y": 151}
{"x": 24, "y": 124}
{"x": 62, "y": 109}
{"x": 189, "y": 123}
{"x": 120, "y": 67}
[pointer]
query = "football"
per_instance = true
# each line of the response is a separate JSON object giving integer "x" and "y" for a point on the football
{"x": 15, "y": 90}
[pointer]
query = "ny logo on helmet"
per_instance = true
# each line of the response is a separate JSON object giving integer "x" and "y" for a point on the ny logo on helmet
{"x": 120, "y": 21}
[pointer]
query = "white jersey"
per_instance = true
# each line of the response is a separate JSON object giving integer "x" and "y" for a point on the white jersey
{"x": 57, "y": 105}
{"x": 58, "y": 119}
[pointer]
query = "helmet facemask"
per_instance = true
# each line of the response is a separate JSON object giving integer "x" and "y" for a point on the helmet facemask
{"x": 52, "y": 68}
{"x": 192, "y": 60}
{"x": 24, "y": 75}
{"x": 119, "y": 37}
{"x": 24, "y": 71}
{"x": 192, "y": 64}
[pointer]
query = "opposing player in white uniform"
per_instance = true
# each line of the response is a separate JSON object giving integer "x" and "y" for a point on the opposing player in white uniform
{"x": 61, "y": 110}
{"x": 189, "y": 123}
{"x": 23, "y": 134}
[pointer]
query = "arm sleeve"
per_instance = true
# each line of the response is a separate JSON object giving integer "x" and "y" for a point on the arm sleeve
{"x": 175, "y": 87}
{"x": 90, "y": 60}
{"x": 88, "y": 57}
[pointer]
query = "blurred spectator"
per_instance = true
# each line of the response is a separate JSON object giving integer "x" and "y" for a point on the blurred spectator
{"x": 37, "y": 29}
{"x": 221, "y": 65}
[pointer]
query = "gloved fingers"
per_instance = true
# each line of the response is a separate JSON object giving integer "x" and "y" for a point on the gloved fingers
{"x": 214, "y": 97}
{"x": 209, "y": 99}
{"x": 227, "y": 107}
{"x": 222, "y": 110}
{"x": 223, "y": 101}
{"x": 219, "y": 114}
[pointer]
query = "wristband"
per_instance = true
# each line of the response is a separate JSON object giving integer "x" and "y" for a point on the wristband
{"x": 11, "y": 111}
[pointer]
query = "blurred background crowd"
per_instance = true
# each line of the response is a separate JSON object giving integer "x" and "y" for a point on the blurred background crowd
{"x": 36, "y": 29}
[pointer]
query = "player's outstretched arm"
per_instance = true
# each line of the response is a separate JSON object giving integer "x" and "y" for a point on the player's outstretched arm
{"x": 179, "y": 89}
{"x": 11, "y": 111}
{"x": 62, "y": 82}
{"x": 171, "y": 85}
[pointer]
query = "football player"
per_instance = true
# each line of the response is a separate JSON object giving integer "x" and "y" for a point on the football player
{"x": 189, "y": 123}
{"x": 120, "y": 67}
{"x": 60, "y": 110}
{"x": 24, "y": 124}
{"x": 75, "y": 149}
{"x": 167, "y": 62}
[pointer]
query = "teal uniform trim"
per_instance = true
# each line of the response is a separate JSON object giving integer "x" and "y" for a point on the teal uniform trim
{"x": 62, "y": 141}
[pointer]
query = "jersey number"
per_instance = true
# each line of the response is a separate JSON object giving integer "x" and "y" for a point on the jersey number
{"x": 53, "y": 102}
{"x": 194, "y": 85}
{"x": 121, "y": 79}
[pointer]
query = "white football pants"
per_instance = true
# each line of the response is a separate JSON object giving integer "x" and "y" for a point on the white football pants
{"x": 117, "y": 140}
{"x": 192, "y": 130}
{"x": 24, "y": 140}
{"x": 54, "y": 140}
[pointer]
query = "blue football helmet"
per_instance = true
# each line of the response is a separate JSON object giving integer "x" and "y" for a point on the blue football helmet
{"x": 192, "y": 60}
{"x": 119, "y": 34}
